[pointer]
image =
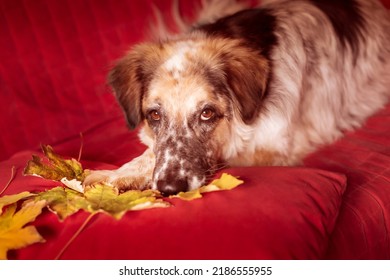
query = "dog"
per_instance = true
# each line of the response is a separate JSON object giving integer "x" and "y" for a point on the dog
{"x": 263, "y": 86}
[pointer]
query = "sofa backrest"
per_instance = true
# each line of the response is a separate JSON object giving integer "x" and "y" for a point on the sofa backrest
{"x": 55, "y": 56}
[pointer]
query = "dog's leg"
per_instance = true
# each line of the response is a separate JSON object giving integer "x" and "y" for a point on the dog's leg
{"x": 134, "y": 175}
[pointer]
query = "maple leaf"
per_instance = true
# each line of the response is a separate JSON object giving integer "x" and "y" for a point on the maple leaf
{"x": 13, "y": 234}
{"x": 226, "y": 182}
{"x": 100, "y": 198}
{"x": 106, "y": 198}
{"x": 73, "y": 184}
{"x": 62, "y": 201}
{"x": 10, "y": 199}
{"x": 54, "y": 167}
{"x": 190, "y": 195}
{"x": 67, "y": 201}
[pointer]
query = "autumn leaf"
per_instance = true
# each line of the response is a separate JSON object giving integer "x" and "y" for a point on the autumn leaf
{"x": 54, "y": 167}
{"x": 10, "y": 199}
{"x": 67, "y": 201}
{"x": 106, "y": 198}
{"x": 190, "y": 195}
{"x": 62, "y": 201}
{"x": 73, "y": 184}
{"x": 13, "y": 233}
{"x": 226, "y": 182}
{"x": 100, "y": 198}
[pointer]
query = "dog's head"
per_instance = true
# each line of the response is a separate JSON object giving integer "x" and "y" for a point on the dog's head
{"x": 189, "y": 94}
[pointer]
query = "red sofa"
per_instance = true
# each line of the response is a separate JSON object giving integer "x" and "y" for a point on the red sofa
{"x": 54, "y": 59}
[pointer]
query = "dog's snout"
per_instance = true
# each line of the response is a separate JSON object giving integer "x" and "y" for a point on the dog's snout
{"x": 172, "y": 186}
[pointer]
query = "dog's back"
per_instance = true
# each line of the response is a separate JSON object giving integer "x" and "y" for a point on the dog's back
{"x": 332, "y": 63}
{"x": 329, "y": 70}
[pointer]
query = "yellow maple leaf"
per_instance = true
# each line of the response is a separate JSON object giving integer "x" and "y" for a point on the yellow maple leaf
{"x": 106, "y": 199}
{"x": 190, "y": 195}
{"x": 100, "y": 198}
{"x": 62, "y": 201}
{"x": 10, "y": 199}
{"x": 226, "y": 182}
{"x": 13, "y": 233}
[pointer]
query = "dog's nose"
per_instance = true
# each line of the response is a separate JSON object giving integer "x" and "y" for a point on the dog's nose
{"x": 172, "y": 186}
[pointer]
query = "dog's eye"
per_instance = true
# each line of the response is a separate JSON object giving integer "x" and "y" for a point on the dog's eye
{"x": 154, "y": 115}
{"x": 207, "y": 114}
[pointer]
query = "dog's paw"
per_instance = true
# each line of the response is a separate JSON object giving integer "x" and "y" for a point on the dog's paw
{"x": 99, "y": 176}
{"x": 122, "y": 183}
{"x": 131, "y": 183}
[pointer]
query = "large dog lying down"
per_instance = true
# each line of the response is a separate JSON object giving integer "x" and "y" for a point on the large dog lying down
{"x": 263, "y": 86}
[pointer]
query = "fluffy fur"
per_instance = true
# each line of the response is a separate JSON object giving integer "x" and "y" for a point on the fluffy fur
{"x": 264, "y": 86}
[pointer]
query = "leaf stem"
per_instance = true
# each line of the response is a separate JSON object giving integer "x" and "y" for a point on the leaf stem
{"x": 75, "y": 235}
{"x": 13, "y": 174}
{"x": 81, "y": 146}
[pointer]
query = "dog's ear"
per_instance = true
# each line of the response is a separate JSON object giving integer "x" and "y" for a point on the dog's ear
{"x": 247, "y": 74}
{"x": 130, "y": 77}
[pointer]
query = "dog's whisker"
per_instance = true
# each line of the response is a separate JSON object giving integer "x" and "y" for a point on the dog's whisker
{"x": 214, "y": 169}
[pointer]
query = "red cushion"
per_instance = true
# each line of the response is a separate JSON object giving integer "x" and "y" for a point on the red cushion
{"x": 282, "y": 213}
{"x": 362, "y": 230}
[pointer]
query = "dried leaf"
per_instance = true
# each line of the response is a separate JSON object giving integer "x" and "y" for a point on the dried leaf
{"x": 226, "y": 182}
{"x": 13, "y": 234}
{"x": 190, "y": 195}
{"x": 106, "y": 199}
{"x": 10, "y": 199}
{"x": 209, "y": 188}
{"x": 54, "y": 167}
{"x": 158, "y": 203}
{"x": 67, "y": 201}
{"x": 73, "y": 184}
{"x": 100, "y": 198}
{"x": 63, "y": 201}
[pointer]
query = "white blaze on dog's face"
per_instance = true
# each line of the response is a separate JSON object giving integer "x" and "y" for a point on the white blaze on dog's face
{"x": 186, "y": 118}
{"x": 188, "y": 94}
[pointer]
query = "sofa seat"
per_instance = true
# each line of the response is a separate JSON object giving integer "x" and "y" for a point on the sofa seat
{"x": 55, "y": 57}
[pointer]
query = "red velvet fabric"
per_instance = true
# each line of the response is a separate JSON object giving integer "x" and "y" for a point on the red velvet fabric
{"x": 55, "y": 56}
{"x": 364, "y": 157}
{"x": 54, "y": 59}
{"x": 269, "y": 217}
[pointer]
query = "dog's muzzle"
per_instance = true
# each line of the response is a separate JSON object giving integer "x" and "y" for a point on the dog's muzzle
{"x": 172, "y": 186}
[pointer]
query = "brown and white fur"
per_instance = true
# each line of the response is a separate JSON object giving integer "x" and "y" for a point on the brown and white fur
{"x": 264, "y": 86}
